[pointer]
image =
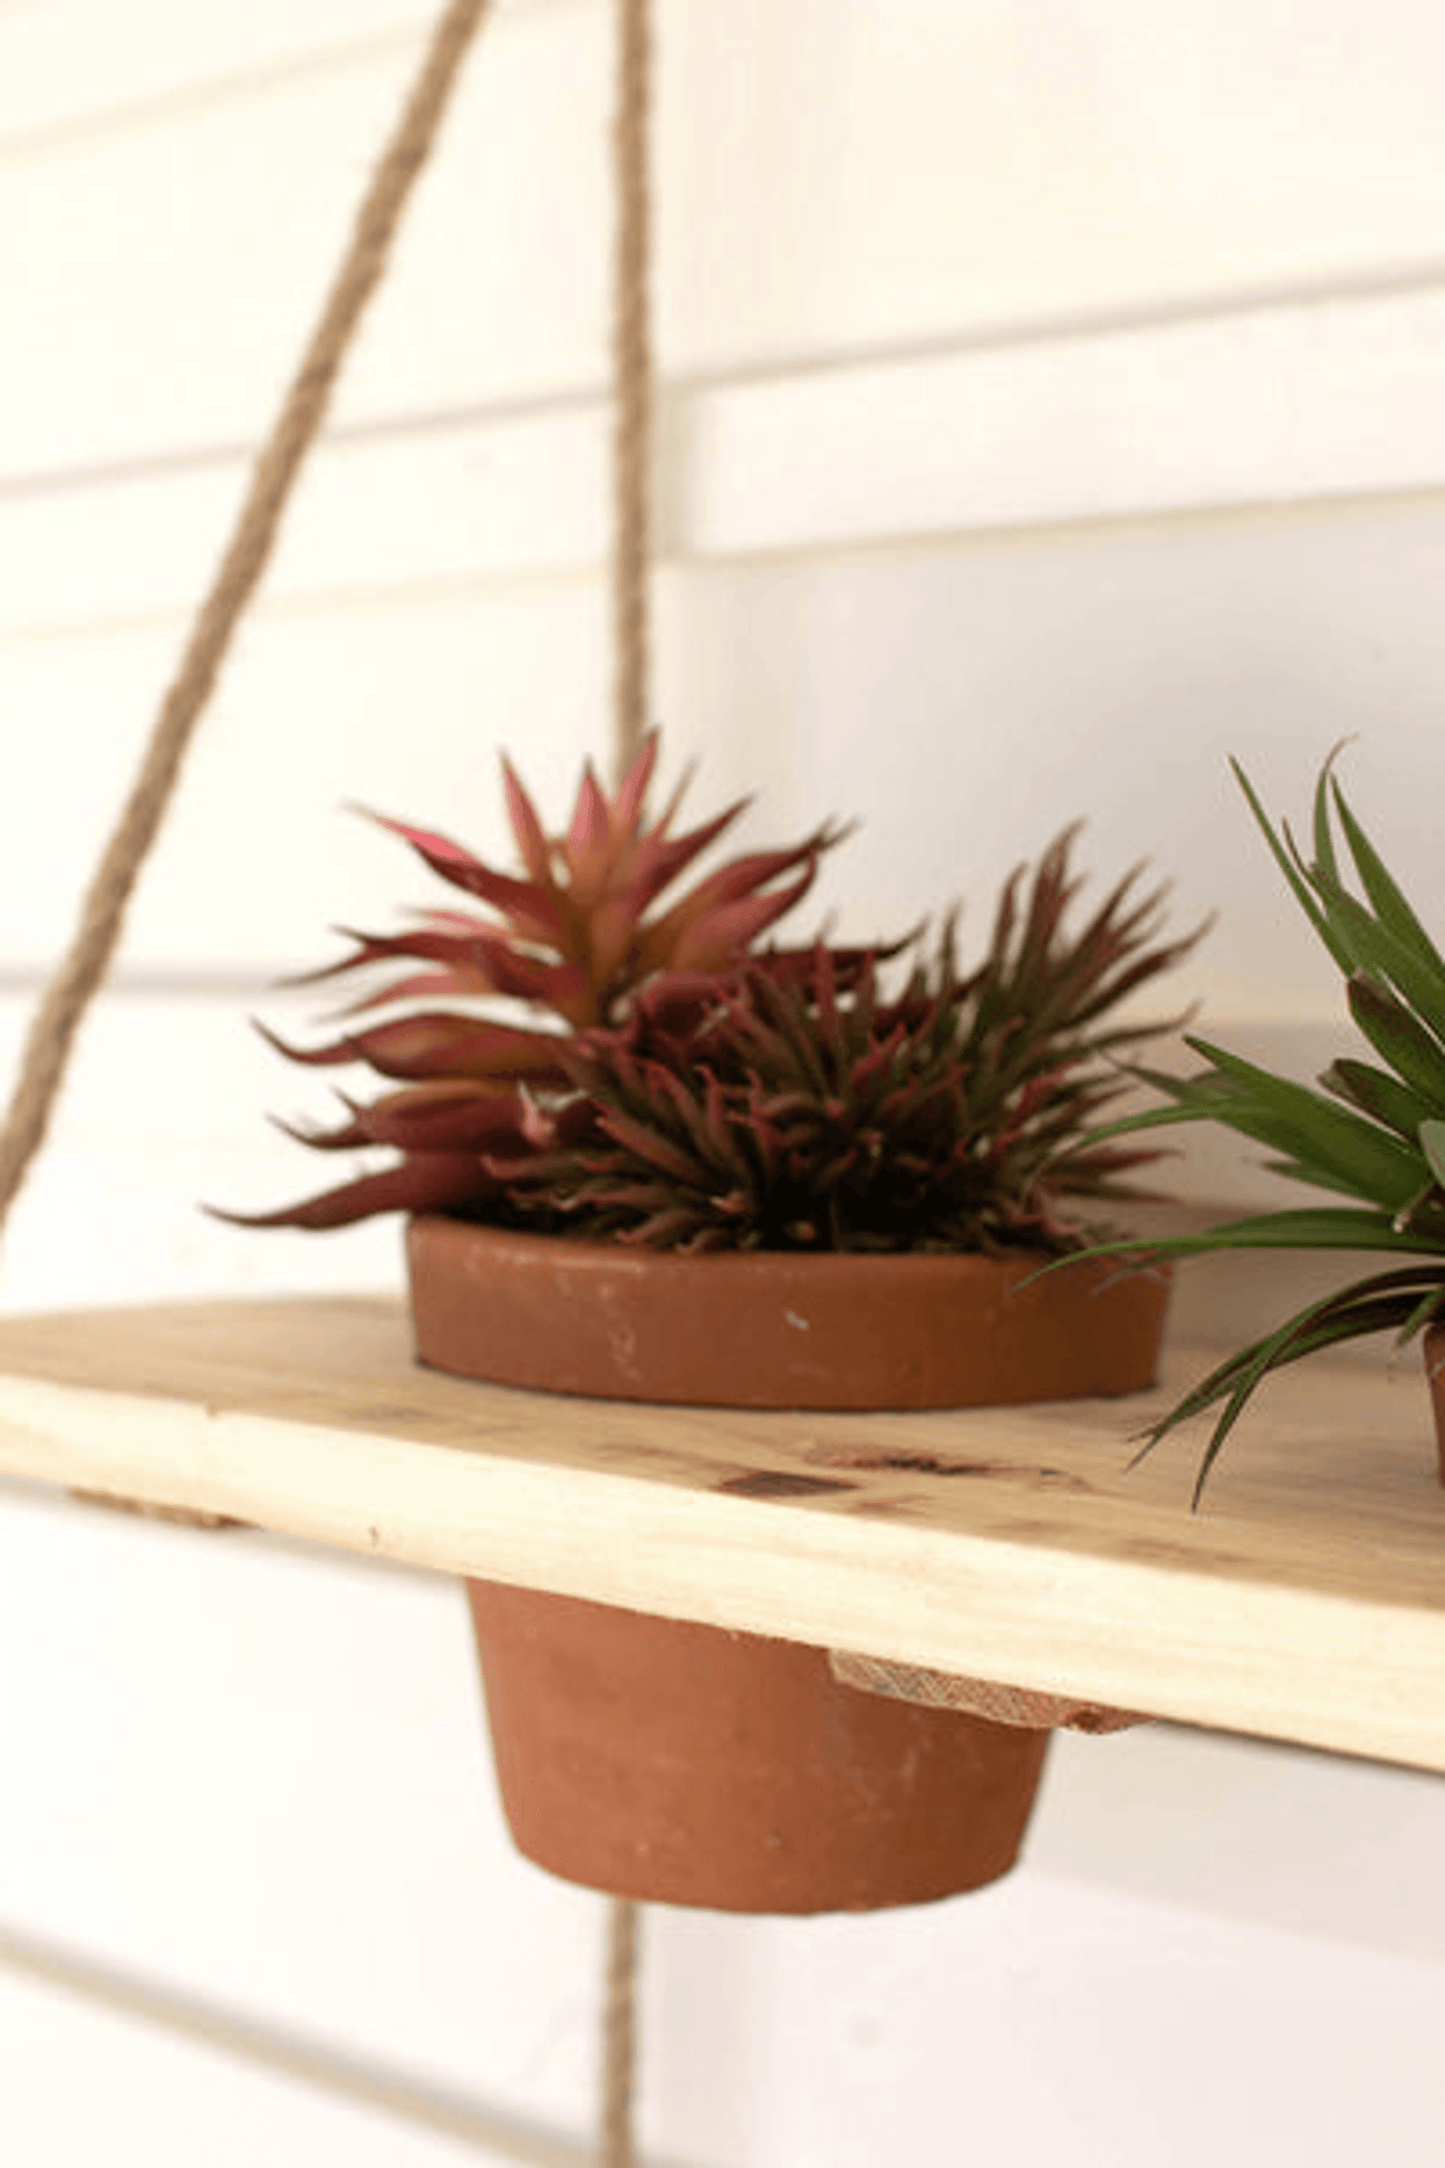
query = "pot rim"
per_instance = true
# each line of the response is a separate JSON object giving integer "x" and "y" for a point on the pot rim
{"x": 1022, "y": 1263}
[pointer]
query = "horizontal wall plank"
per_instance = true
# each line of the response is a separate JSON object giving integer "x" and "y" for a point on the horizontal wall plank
{"x": 828, "y": 180}
{"x": 1084, "y": 2022}
{"x": 514, "y": 499}
{"x": 1292, "y": 406}
{"x": 401, "y": 708}
{"x": 153, "y": 2098}
{"x": 262, "y": 1784}
{"x": 1328, "y": 399}
{"x": 66, "y": 63}
{"x": 967, "y": 701}
{"x": 160, "y": 280}
{"x": 921, "y": 166}
{"x": 166, "y": 1112}
{"x": 69, "y": 69}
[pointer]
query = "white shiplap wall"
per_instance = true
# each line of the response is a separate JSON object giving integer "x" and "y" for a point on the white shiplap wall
{"x": 1053, "y": 405}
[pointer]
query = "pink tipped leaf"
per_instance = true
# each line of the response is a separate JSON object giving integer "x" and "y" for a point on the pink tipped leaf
{"x": 527, "y": 828}
{"x": 744, "y": 880}
{"x": 432, "y": 1119}
{"x": 431, "y": 1182}
{"x": 589, "y": 839}
{"x": 435, "y": 1045}
{"x": 475, "y": 961}
{"x": 525, "y": 904}
{"x": 658, "y": 860}
{"x": 628, "y": 805}
{"x": 729, "y": 930}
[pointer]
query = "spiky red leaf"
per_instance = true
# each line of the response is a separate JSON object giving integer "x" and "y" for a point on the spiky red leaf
{"x": 589, "y": 838}
{"x": 627, "y": 807}
{"x": 526, "y": 827}
{"x": 527, "y": 905}
{"x": 435, "y": 1045}
{"x": 431, "y": 1182}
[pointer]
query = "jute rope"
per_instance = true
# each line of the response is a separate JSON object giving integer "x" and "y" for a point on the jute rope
{"x": 632, "y": 382}
{"x": 619, "y": 2033}
{"x": 632, "y": 374}
{"x": 62, "y": 1009}
{"x": 63, "y": 1005}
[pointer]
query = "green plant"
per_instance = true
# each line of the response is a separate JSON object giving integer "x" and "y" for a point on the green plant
{"x": 1374, "y": 1132}
{"x": 690, "y": 1091}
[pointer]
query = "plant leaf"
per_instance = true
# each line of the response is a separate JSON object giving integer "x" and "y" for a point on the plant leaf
{"x": 1377, "y": 1094}
{"x": 1391, "y": 906}
{"x": 1312, "y": 1130}
{"x": 1416, "y": 974}
{"x": 531, "y": 839}
{"x": 1305, "y": 898}
{"x": 423, "y": 1182}
{"x": 1432, "y": 1144}
{"x": 1365, "y": 1307}
{"x": 1399, "y": 1038}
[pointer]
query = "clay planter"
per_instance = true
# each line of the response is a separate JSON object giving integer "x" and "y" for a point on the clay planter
{"x": 681, "y": 1764}
{"x": 1435, "y": 1378}
{"x": 776, "y": 1329}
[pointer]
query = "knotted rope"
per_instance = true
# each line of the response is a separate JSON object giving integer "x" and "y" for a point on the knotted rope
{"x": 63, "y": 1005}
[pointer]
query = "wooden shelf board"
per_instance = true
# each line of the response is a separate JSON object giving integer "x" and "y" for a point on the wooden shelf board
{"x": 1305, "y": 1601}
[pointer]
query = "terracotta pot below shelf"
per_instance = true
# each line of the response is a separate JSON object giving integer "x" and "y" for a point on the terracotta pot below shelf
{"x": 680, "y": 1764}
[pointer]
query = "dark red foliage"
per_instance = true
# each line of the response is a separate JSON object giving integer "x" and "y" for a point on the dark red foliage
{"x": 690, "y": 1091}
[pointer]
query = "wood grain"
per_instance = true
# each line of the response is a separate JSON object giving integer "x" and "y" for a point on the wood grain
{"x": 1305, "y": 1601}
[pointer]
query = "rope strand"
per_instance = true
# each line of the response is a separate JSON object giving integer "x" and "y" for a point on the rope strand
{"x": 80, "y": 972}
{"x": 631, "y": 596}
{"x": 619, "y": 2033}
{"x": 633, "y": 383}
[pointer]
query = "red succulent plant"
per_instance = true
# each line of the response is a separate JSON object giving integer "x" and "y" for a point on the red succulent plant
{"x": 690, "y": 1091}
{"x": 803, "y": 1107}
{"x": 586, "y": 923}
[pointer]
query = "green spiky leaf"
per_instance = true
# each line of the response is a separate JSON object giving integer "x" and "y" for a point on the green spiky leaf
{"x": 1414, "y": 1053}
{"x": 1379, "y": 1139}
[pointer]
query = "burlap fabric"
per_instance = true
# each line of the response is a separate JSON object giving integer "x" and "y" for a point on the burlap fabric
{"x": 977, "y": 1697}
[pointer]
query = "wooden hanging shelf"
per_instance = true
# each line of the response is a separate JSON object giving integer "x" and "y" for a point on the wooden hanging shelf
{"x": 1305, "y": 1601}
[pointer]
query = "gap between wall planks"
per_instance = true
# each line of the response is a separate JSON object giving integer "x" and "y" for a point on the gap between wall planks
{"x": 369, "y": 2085}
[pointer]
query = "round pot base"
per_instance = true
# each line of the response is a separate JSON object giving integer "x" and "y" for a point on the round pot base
{"x": 680, "y": 1764}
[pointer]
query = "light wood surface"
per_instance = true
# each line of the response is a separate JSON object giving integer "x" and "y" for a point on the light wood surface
{"x": 1305, "y": 1601}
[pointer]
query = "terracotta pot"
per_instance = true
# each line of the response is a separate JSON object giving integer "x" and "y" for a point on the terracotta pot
{"x": 772, "y": 1329}
{"x": 683, "y": 1765}
{"x": 1434, "y": 1343}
